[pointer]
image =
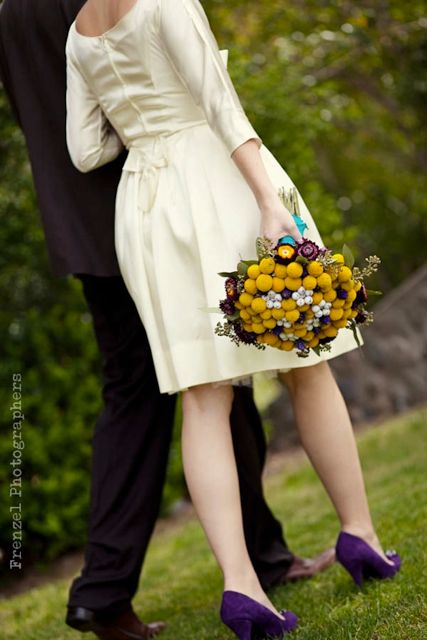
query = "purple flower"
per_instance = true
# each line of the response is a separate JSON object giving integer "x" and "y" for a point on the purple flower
{"x": 316, "y": 330}
{"x": 362, "y": 294}
{"x": 308, "y": 249}
{"x": 227, "y": 307}
{"x": 354, "y": 304}
{"x": 286, "y": 293}
{"x": 300, "y": 344}
{"x": 326, "y": 319}
{"x": 244, "y": 336}
{"x": 342, "y": 293}
{"x": 231, "y": 289}
{"x": 361, "y": 317}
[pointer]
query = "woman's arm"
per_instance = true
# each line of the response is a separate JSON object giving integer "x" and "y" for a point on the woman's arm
{"x": 91, "y": 140}
{"x": 276, "y": 219}
{"x": 188, "y": 41}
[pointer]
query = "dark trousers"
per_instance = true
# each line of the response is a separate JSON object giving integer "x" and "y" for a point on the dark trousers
{"x": 131, "y": 444}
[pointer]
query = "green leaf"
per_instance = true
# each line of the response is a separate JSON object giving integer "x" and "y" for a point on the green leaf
{"x": 353, "y": 327}
{"x": 249, "y": 262}
{"x": 228, "y": 274}
{"x": 348, "y": 256}
{"x": 301, "y": 260}
{"x": 372, "y": 292}
{"x": 242, "y": 268}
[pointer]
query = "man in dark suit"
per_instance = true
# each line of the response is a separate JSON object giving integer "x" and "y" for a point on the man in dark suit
{"x": 78, "y": 218}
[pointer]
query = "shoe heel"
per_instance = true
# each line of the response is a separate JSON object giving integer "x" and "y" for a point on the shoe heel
{"x": 242, "y": 628}
{"x": 355, "y": 569}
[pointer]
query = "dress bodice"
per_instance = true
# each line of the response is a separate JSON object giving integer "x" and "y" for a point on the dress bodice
{"x": 158, "y": 70}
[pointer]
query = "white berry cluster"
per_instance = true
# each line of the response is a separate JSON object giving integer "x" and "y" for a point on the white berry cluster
{"x": 273, "y": 300}
{"x": 303, "y": 296}
{"x": 319, "y": 310}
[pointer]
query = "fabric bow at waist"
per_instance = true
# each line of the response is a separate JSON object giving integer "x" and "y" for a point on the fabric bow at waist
{"x": 147, "y": 161}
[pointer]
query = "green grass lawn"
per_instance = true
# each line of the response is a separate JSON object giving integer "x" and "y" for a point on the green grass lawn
{"x": 181, "y": 584}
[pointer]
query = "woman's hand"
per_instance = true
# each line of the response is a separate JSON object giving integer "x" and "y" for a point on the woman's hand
{"x": 277, "y": 221}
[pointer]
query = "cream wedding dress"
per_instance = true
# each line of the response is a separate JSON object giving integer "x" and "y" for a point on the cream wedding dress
{"x": 157, "y": 84}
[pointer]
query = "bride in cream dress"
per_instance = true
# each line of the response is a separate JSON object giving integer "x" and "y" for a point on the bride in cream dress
{"x": 198, "y": 186}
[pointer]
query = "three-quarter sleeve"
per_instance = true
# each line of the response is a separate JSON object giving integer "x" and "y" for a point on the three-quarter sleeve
{"x": 91, "y": 140}
{"x": 192, "y": 49}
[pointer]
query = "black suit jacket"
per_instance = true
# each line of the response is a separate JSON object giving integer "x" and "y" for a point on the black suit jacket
{"x": 77, "y": 209}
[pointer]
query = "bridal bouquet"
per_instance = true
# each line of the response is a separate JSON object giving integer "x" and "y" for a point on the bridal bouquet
{"x": 297, "y": 295}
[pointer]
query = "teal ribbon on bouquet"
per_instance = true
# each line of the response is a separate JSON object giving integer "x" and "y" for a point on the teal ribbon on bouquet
{"x": 288, "y": 239}
{"x": 290, "y": 200}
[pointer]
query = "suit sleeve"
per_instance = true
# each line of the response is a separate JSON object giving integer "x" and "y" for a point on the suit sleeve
{"x": 192, "y": 49}
{"x": 91, "y": 140}
{"x": 4, "y": 69}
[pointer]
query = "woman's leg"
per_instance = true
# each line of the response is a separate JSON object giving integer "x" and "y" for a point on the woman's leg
{"x": 210, "y": 471}
{"x": 327, "y": 436}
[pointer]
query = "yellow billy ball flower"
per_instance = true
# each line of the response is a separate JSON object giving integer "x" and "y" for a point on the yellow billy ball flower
{"x": 304, "y": 307}
{"x": 289, "y": 304}
{"x": 317, "y": 297}
{"x": 293, "y": 283}
{"x": 253, "y": 271}
{"x": 294, "y": 269}
{"x": 271, "y": 339}
{"x": 300, "y": 332}
{"x": 314, "y": 268}
{"x": 351, "y": 296}
{"x": 330, "y": 332}
{"x": 348, "y": 285}
{"x": 336, "y": 314}
{"x": 278, "y": 314}
{"x": 256, "y": 320}
{"x": 258, "y": 305}
{"x": 338, "y": 303}
{"x": 309, "y": 282}
{"x": 278, "y": 284}
{"x": 245, "y": 299}
{"x": 264, "y": 282}
{"x": 330, "y": 295}
{"x": 247, "y": 326}
{"x": 287, "y": 345}
{"x": 340, "y": 324}
{"x": 250, "y": 286}
{"x": 309, "y": 336}
{"x": 313, "y": 342}
{"x": 245, "y": 315}
{"x": 267, "y": 265}
{"x": 266, "y": 315}
{"x": 309, "y": 313}
{"x": 353, "y": 313}
{"x": 346, "y": 313}
{"x": 280, "y": 271}
{"x": 338, "y": 257}
{"x": 358, "y": 285}
{"x": 324, "y": 281}
{"x": 292, "y": 316}
{"x": 269, "y": 324}
{"x": 238, "y": 305}
{"x": 344, "y": 274}
{"x": 258, "y": 328}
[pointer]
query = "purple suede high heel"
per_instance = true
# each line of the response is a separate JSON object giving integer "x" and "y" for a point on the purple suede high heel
{"x": 250, "y": 620}
{"x": 362, "y": 562}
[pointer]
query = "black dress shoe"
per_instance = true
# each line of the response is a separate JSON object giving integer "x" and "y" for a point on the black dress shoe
{"x": 124, "y": 626}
